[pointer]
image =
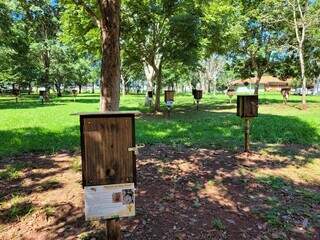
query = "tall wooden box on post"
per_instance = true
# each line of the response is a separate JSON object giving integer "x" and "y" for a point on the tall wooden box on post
{"x": 247, "y": 108}
{"x": 197, "y": 94}
{"x": 43, "y": 94}
{"x": 169, "y": 99}
{"x": 108, "y": 153}
{"x": 169, "y": 96}
{"x": 16, "y": 93}
{"x": 150, "y": 94}
{"x": 149, "y": 98}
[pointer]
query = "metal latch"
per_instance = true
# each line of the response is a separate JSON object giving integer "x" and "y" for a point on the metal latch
{"x": 136, "y": 148}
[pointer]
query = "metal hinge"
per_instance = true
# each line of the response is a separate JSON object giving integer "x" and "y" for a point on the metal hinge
{"x": 136, "y": 148}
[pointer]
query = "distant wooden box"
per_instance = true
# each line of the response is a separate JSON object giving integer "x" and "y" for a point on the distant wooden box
{"x": 42, "y": 93}
{"x": 197, "y": 94}
{"x": 247, "y": 106}
{"x": 105, "y": 142}
{"x": 169, "y": 95}
{"x": 150, "y": 94}
{"x": 15, "y": 92}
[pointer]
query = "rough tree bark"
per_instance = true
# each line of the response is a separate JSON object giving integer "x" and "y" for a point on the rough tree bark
{"x": 158, "y": 90}
{"x": 110, "y": 65}
{"x": 153, "y": 73}
{"x": 150, "y": 76}
{"x": 58, "y": 88}
{"x": 258, "y": 80}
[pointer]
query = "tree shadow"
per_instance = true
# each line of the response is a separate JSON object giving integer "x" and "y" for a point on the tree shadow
{"x": 224, "y": 129}
{"x": 184, "y": 194}
{"x": 38, "y": 140}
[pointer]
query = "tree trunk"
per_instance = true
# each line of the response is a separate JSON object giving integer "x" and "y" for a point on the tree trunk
{"x": 258, "y": 79}
{"x": 58, "y": 87}
{"x": 303, "y": 77}
{"x": 123, "y": 84}
{"x": 46, "y": 63}
{"x": 159, "y": 87}
{"x": 150, "y": 76}
{"x": 29, "y": 89}
{"x": 92, "y": 88}
{"x": 110, "y": 65}
{"x": 80, "y": 88}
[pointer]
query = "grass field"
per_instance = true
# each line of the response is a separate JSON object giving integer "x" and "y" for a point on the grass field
{"x": 28, "y": 126}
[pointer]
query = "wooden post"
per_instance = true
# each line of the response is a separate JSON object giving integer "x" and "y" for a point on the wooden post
{"x": 246, "y": 134}
{"x": 197, "y": 105}
{"x": 113, "y": 231}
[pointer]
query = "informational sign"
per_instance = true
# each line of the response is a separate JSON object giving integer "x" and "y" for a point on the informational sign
{"x": 109, "y": 201}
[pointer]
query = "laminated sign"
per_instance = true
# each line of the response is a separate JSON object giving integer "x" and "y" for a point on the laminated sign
{"x": 109, "y": 201}
{"x": 108, "y": 153}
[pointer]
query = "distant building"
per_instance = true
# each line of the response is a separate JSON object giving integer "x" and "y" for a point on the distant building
{"x": 269, "y": 83}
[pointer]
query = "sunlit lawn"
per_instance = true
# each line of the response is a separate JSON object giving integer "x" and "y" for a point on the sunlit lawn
{"x": 29, "y": 126}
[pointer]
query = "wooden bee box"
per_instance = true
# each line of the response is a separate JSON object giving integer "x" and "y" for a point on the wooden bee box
{"x": 169, "y": 95}
{"x": 247, "y": 106}
{"x": 150, "y": 94}
{"x": 74, "y": 92}
{"x": 15, "y": 92}
{"x": 106, "y": 140}
{"x": 42, "y": 93}
{"x": 197, "y": 94}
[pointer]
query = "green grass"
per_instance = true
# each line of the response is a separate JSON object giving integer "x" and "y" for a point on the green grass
{"x": 29, "y": 126}
{"x": 288, "y": 203}
{"x": 17, "y": 208}
{"x": 217, "y": 224}
{"x": 12, "y": 172}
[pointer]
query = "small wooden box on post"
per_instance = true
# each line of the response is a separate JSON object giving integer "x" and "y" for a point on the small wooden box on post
{"x": 150, "y": 98}
{"x": 150, "y": 94}
{"x": 169, "y": 99}
{"x": 108, "y": 154}
{"x": 43, "y": 94}
{"x": 247, "y": 108}
{"x": 74, "y": 93}
{"x": 16, "y": 93}
{"x": 197, "y": 94}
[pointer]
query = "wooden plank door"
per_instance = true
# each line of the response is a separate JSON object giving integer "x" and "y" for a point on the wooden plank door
{"x": 105, "y": 155}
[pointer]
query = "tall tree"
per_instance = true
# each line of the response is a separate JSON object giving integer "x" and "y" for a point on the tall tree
{"x": 104, "y": 16}
{"x": 304, "y": 15}
{"x": 157, "y": 33}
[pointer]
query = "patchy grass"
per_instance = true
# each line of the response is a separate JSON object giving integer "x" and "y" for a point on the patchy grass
{"x": 12, "y": 172}
{"x": 15, "y": 209}
{"x": 49, "y": 210}
{"x": 50, "y": 184}
{"x": 217, "y": 224}
{"x": 289, "y": 205}
{"x": 76, "y": 164}
{"x": 29, "y": 126}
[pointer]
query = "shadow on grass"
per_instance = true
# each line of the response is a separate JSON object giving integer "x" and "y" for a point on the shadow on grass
{"x": 26, "y": 105}
{"x": 224, "y": 130}
{"x": 38, "y": 140}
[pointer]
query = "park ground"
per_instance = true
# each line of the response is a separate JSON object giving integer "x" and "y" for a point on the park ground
{"x": 193, "y": 180}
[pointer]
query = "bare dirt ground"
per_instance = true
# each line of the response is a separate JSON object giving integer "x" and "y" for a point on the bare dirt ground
{"x": 182, "y": 193}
